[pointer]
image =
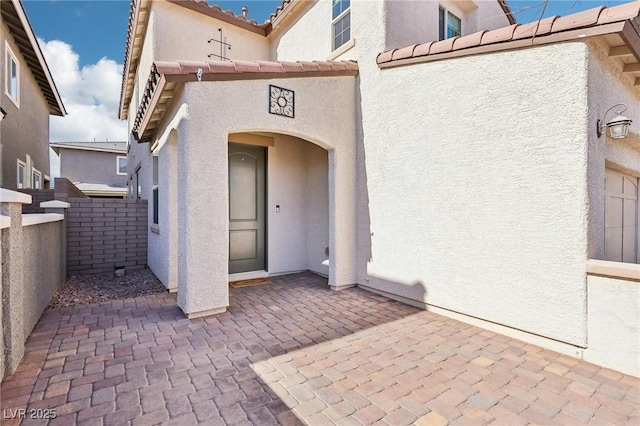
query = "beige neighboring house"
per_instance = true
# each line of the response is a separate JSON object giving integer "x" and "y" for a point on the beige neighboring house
{"x": 437, "y": 153}
{"x": 28, "y": 96}
{"x": 99, "y": 169}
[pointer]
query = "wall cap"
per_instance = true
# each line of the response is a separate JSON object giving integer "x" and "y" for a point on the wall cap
{"x": 613, "y": 269}
{"x": 55, "y": 204}
{"x": 8, "y": 196}
{"x": 5, "y": 222}
{"x": 38, "y": 218}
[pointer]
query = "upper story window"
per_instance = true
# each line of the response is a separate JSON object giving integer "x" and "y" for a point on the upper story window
{"x": 121, "y": 165}
{"x": 20, "y": 181}
{"x": 12, "y": 84}
{"x": 36, "y": 179}
{"x": 341, "y": 24}
{"x": 449, "y": 25}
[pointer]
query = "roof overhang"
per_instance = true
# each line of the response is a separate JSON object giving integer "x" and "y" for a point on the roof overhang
{"x": 615, "y": 29}
{"x": 58, "y": 146}
{"x": 138, "y": 17}
{"x": 166, "y": 76}
{"x": 15, "y": 18}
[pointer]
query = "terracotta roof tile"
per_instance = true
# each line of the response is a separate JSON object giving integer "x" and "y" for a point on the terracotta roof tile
{"x": 619, "y": 13}
{"x": 536, "y": 28}
{"x": 471, "y": 40}
{"x": 501, "y": 34}
{"x": 422, "y": 49}
{"x": 221, "y": 67}
{"x": 588, "y": 18}
{"x": 443, "y": 46}
{"x": 577, "y": 20}
{"x": 405, "y": 52}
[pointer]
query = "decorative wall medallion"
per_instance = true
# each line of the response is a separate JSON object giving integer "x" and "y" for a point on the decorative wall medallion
{"x": 281, "y": 101}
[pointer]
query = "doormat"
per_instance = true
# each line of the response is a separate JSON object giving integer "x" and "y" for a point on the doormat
{"x": 249, "y": 283}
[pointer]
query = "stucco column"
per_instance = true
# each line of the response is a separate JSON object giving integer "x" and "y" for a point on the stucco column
{"x": 57, "y": 206}
{"x": 203, "y": 229}
{"x": 342, "y": 218}
{"x": 170, "y": 222}
{"x": 12, "y": 279}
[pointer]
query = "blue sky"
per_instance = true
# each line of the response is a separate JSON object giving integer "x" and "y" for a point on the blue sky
{"x": 97, "y": 29}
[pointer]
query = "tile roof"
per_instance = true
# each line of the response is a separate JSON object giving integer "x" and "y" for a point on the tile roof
{"x": 555, "y": 24}
{"x": 183, "y": 71}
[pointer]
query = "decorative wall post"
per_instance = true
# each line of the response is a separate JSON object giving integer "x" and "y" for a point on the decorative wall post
{"x": 12, "y": 279}
{"x": 56, "y": 206}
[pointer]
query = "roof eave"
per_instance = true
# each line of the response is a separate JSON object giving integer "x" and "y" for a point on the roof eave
{"x": 56, "y": 107}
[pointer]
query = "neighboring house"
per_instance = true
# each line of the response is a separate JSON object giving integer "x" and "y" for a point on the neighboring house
{"x": 99, "y": 169}
{"x": 463, "y": 175}
{"x": 28, "y": 96}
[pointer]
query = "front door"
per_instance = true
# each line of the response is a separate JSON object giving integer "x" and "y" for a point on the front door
{"x": 246, "y": 208}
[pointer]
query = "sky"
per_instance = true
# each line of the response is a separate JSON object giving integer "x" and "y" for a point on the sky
{"x": 83, "y": 43}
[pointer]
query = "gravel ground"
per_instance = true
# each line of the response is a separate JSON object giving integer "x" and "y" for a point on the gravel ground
{"x": 87, "y": 289}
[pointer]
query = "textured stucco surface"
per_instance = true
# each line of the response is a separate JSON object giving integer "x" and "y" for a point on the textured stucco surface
{"x": 44, "y": 268}
{"x": 607, "y": 87}
{"x": 477, "y": 164}
{"x": 297, "y": 176}
{"x": 90, "y": 166}
{"x": 614, "y": 324}
{"x": 203, "y": 217}
{"x": 25, "y": 130}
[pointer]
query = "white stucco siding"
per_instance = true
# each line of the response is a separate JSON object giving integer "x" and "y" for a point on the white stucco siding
{"x": 477, "y": 191}
{"x": 182, "y": 34}
{"x": 202, "y": 162}
{"x": 608, "y": 86}
{"x": 297, "y": 176}
{"x": 614, "y": 324}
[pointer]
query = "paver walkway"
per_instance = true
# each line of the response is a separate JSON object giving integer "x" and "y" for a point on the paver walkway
{"x": 294, "y": 352}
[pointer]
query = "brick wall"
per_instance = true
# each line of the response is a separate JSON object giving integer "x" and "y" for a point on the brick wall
{"x": 65, "y": 189}
{"x": 37, "y": 196}
{"x": 103, "y": 234}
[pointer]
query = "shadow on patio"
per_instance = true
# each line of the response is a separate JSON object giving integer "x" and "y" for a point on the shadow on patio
{"x": 295, "y": 352}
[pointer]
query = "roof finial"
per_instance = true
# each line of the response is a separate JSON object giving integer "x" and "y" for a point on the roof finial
{"x": 245, "y": 9}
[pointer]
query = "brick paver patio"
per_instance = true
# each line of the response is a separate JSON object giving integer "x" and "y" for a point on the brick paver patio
{"x": 294, "y": 352}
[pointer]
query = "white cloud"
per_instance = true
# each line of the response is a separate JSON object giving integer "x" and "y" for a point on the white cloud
{"x": 90, "y": 95}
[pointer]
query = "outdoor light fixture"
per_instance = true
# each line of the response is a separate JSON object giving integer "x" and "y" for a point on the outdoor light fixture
{"x": 618, "y": 125}
{"x": 2, "y": 113}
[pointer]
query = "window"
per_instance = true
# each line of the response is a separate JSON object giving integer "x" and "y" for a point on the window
{"x": 620, "y": 217}
{"x": 121, "y": 165}
{"x": 36, "y": 179}
{"x": 155, "y": 189}
{"x": 22, "y": 167}
{"x": 12, "y": 86}
{"x": 449, "y": 25}
{"x": 341, "y": 23}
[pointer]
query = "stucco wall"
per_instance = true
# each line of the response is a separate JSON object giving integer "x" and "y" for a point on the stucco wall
{"x": 182, "y": 34}
{"x": 412, "y": 22}
{"x": 203, "y": 206}
{"x": 25, "y": 130}
{"x": 298, "y": 183}
{"x": 480, "y": 160}
{"x": 44, "y": 269}
{"x": 607, "y": 86}
{"x": 90, "y": 166}
{"x": 614, "y": 323}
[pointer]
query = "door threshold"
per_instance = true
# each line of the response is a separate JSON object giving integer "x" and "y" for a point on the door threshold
{"x": 248, "y": 275}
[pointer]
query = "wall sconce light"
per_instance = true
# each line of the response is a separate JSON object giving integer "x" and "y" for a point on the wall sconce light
{"x": 618, "y": 125}
{"x": 2, "y": 113}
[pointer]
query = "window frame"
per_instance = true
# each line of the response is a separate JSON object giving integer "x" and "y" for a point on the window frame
{"x": 118, "y": 158}
{"x": 443, "y": 23}
{"x": 334, "y": 21}
{"x": 23, "y": 165}
{"x": 9, "y": 57}
{"x": 35, "y": 172}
